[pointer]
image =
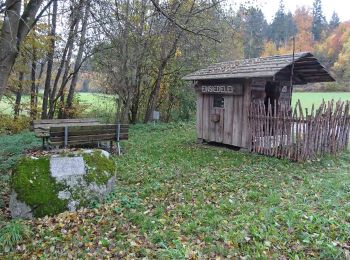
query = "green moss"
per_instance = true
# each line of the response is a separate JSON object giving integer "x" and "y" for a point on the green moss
{"x": 99, "y": 168}
{"x": 35, "y": 186}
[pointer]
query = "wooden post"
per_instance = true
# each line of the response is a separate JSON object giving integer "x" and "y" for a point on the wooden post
{"x": 65, "y": 136}
{"x": 118, "y": 138}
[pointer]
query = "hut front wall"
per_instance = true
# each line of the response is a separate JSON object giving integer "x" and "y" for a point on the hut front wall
{"x": 229, "y": 124}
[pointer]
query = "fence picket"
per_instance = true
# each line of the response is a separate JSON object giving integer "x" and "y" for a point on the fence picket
{"x": 280, "y": 131}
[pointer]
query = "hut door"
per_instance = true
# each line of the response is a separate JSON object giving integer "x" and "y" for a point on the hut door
{"x": 216, "y": 121}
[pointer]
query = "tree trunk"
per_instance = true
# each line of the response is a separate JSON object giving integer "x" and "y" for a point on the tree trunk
{"x": 67, "y": 52}
{"x": 19, "y": 95}
{"x": 8, "y": 41}
{"x": 33, "y": 97}
{"x": 163, "y": 63}
{"x": 14, "y": 30}
{"x": 78, "y": 61}
{"x": 125, "y": 118}
{"x": 64, "y": 82}
{"x": 154, "y": 93}
{"x": 50, "y": 61}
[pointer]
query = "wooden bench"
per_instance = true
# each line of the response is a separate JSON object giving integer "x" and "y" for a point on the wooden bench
{"x": 72, "y": 135}
{"x": 41, "y": 128}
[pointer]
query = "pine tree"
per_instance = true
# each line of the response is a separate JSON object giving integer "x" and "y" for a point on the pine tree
{"x": 318, "y": 22}
{"x": 282, "y": 27}
{"x": 253, "y": 27}
{"x": 334, "y": 22}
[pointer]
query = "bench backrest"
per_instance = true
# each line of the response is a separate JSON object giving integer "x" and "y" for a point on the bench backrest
{"x": 73, "y": 135}
{"x": 41, "y": 127}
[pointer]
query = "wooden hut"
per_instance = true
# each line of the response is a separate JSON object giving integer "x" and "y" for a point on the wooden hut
{"x": 226, "y": 90}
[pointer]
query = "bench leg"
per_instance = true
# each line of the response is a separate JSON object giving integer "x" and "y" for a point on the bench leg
{"x": 111, "y": 146}
{"x": 118, "y": 147}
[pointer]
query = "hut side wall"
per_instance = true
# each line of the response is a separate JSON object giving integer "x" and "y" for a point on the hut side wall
{"x": 233, "y": 126}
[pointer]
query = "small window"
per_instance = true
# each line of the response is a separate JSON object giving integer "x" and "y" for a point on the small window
{"x": 219, "y": 101}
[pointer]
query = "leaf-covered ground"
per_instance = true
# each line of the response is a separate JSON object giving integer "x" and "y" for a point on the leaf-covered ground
{"x": 176, "y": 199}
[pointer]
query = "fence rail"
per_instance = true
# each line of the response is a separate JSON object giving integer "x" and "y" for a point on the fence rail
{"x": 299, "y": 134}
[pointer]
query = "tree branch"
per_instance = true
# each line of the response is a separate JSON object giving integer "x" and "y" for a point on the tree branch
{"x": 184, "y": 28}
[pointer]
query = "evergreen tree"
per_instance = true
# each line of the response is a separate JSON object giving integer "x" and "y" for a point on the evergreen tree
{"x": 334, "y": 22}
{"x": 253, "y": 26}
{"x": 318, "y": 22}
{"x": 282, "y": 27}
{"x": 290, "y": 27}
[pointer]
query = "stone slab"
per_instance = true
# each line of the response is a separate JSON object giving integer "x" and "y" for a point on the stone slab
{"x": 67, "y": 166}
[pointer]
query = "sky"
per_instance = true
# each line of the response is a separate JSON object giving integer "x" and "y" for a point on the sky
{"x": 269, "y": 7}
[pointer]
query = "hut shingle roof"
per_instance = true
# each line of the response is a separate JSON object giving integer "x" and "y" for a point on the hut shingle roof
{"x": 307, "y": 69}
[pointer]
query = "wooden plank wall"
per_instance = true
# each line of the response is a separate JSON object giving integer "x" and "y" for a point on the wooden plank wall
{"x": 233, "y": 127}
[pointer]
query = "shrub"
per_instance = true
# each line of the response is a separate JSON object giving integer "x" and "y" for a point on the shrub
{"x": 77, "y": 109}
{"x": 12, "y": 234}
{"x": 12, "y": 147}
{"x": 9, "y": 125}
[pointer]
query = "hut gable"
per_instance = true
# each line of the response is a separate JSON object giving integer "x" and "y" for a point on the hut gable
{"x": 307, "y": 69}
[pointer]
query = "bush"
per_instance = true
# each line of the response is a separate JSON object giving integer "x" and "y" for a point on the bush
{"x": 12, "y": 234}
{"x": 12, "y": 147}
{"x": 77, "y": 109}
{"x": 9, "y": 125}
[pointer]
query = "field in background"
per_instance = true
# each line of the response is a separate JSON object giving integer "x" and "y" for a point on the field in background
{"x": 93, "y": 104}
{"x": 309, "y": 98}
{"x": 103, "y": 106}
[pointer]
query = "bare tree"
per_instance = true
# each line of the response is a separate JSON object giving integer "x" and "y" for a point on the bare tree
{"x": 16, "y": 27}
{"x": 33, "y": 92}
{"x": 78, "y": 61}
{"x": 19, "y": 92}
{"x": 50, "y": 60}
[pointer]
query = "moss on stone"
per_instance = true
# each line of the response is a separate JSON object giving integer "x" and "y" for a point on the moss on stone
{"x": 35, "y": 186}
{"x": 99, "y": 168}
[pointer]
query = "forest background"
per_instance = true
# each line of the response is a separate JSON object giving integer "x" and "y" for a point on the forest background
{"x": 132, "y": 54}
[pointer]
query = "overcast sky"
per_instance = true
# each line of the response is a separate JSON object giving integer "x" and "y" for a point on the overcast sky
{"x": 269, "y": 7}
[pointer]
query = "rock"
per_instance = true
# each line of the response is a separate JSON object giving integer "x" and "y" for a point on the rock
{"x": 67, "y": 166}
{"x": 50, "y": 185}
{"x": 18, "y": 208}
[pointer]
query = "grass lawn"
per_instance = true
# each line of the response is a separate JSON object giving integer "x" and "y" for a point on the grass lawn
{"x": 175, "y": 199}
{"x": 92, "y": 102}
{"x": 309, "y": 98}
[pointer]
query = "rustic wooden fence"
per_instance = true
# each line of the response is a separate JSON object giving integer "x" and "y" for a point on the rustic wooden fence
{"x": 299, "y": 134}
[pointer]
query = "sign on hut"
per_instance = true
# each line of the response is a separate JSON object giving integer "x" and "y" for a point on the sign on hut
{"x": 247, "y": 104}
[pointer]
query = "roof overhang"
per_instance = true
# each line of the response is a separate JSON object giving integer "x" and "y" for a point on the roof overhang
{"x": 307, "y": 69}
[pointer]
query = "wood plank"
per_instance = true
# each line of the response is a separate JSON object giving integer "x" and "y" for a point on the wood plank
{"x": 46, "y": 126}
{"x": 212, "y": 137}
{"x": 245, "y": 113}
{"x": 88, "y": 132}
{"x": 102, "y": 137}
{"x": 199, "y": 115}
{"x": 79, "y": 142}
{"x": 64, "y": 121}
{"x": 206, "y": 118}
{"x": 228, "y": 117}
{"x": 237, "y": 123}
{"x": 89, "y": 127}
